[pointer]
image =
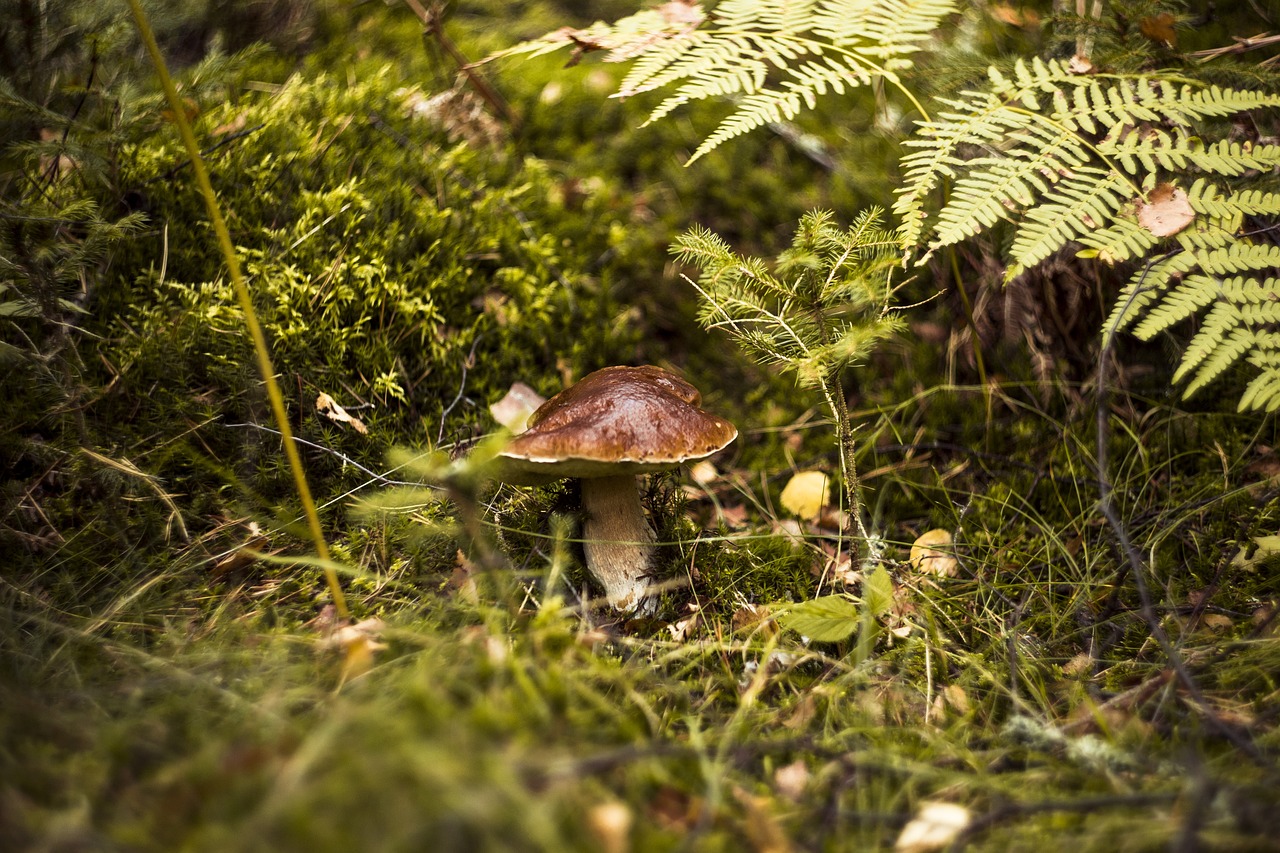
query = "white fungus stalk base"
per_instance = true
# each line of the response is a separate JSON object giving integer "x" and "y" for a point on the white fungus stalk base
{"x": 617, "y": 539}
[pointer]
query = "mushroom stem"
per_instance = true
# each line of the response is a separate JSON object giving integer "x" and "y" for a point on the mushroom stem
{"x": 617, "y": 539}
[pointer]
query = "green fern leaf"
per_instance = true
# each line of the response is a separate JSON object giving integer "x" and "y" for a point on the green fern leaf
{"x": 1123, "y": 240}
{"x": 1194, "y": 293}
{"x": 1222, "y": 321}
{"x": 1076, "y": 206}
{"x": 1263, "y": 392}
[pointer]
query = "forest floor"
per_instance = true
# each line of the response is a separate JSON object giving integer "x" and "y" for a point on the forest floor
{"x": 1090, "y": 660}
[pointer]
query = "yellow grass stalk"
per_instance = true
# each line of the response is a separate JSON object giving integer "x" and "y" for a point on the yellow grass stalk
{"x": 246, "y": 303}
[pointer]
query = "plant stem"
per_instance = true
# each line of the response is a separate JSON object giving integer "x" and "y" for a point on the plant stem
{"x": 848, "y": 467}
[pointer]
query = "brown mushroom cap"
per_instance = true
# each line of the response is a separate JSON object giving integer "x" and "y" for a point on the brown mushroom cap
{"x": 619, "y": 420}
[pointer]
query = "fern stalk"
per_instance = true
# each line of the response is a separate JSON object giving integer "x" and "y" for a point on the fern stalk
{"x": 246, "y": 304}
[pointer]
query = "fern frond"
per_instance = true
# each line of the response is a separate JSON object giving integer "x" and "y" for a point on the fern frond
{"x": 1043, "y": 105}
{"x": 1124, "y": 239}
{"x": 1221, "y": 353}
{"x": 1194, "y": 293}
{"x": 774, "y": 57}
{"x": 1263, "y": 392}
{"x": 1209, "y": 198}
{"x": 1075, "y": 206}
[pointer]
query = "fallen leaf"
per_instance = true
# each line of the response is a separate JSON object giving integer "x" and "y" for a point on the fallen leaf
{"x": 1159, "y": 28}
{"x": 1251, "y": 556}
{"x": 802, "y": 713}
{"x": 1007, "y": 14}
{"x": 791, "y": 779}
{"x": 1080, "y": 65}
{"x": 610, "y": 823}
{"x": 828, "y": 619}
{"x": 462, "y": 583}
{"x": 1264, "y": 621}
{"x": 1217, "y": 622}
{"x": 357, "y": 643}
{"x": 790, "y": 528}
{"x": 842, "y": 571}
{"x": 932, "y": 554}
{"x": 236, "y": 125}
{"x": 680, "y": 629}
{"x": 243, "y": 556}
{"x": 805, "y": 494}
{"x": 764, "y": 830}
{"x": 753, "y": 618}
{"x": 190, "y": 109}
{"x": 1166, "y": 211}
{"x": 935, "y": 827}
{"x": 957, "y": 698}
{"x": 832, "y": 518}
{"x": 329, "y": 407}
{"x": 514, "y": 409}
{"x": 703, "y": 473}
{"x": 734, "y": 516}
{"x": 675, "y": 811}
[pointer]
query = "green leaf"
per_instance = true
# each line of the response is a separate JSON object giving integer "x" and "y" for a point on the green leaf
{"x": 877, "y": 591}
{"x": 827, "y": 620}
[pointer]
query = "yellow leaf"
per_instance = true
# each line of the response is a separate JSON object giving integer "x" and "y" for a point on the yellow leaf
{"x": 1249, "y": 558}
{"x": 805, "y": 494}
{"x": 934, "y": 827}
{"x": 611, "y": 823}
{"x": 329, "y": 407}
{"x": 357, "y": 643}
{"x": 932, "y": 553}
{"x": 513, "y": 410}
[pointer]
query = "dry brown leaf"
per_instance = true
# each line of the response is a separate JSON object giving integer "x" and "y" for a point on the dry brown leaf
{"x": 957, "y": 698}
{"x": 462, "y": 583}
{"x": 805, "y": 494}
{"x": 802, "y": 714}
{"x": 675, "y": 811}
{"x": 681, "y": 629}
{"x": 1217, "y": 622}
{"x": 734, "y": 516}
{"x": 932, "y": 553}
{"x": 236, "y": 125}
{"x": 841, "y": 570}
{"x": 753, "y": 618}
{"x": 1159, "y": 28}
{"x": 514, "y": 409}
{"x": 243, "y": 556}
{"x": 1166, "y": 211}
{"x": 1080, "y": 65}
{"x": 1014, "y": 17}
{"x": 764, "y": 830}
{"x": 190, "y": 110}
{"x": 329, "y": 407}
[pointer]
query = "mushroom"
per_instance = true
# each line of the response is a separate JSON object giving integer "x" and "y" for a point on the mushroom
{"x": 612, "y": 425}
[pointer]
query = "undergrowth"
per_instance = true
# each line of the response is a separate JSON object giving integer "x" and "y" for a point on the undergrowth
{"x": 170, "y": 674}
